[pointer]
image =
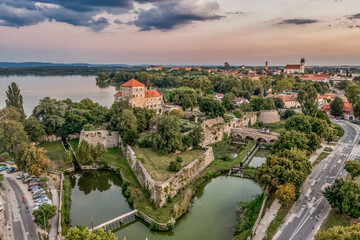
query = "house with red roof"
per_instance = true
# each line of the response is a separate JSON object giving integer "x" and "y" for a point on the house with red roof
{"x": 347, "y": 110}
{"x": 294, "y": 68}
{"x": 139, "y": 96}
{"x": 289, "y": 99}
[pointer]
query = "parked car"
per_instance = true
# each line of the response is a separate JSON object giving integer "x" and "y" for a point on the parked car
{"x": 25, "y": 178}
{"x": 34, "y": 187}
{"x": 1, "y": 208}
{"x": 45, "y": 201}
{"x": 12, "y": 169}
{"x": 29, "y": 179}
{"x": 25, "y": 175}
{"x": 19, "y": 176}
{"x": 39, "y": 196}
{"x": 40, "y": 190}
{"x": 2, "y": 168}
{"x": 33, "y": 181}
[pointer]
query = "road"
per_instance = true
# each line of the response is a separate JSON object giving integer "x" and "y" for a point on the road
{"x": 20, "y": 224}
{"x": 311, "y": 209}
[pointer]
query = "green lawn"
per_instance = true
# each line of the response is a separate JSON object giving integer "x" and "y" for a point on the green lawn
{"x": 157, "y": 164}
{"x": 274, "y": 127}
{"x": 321, "y": 157}
{"x": 74, "y": 143}
{"x": 115, "y": 158}
{"x": 335, "y": 218}
{"x": 262, "y": 153}
{"x": 55, "y": 152}
{"x": 275, "y": 224}
{"x": 225, "y": 149}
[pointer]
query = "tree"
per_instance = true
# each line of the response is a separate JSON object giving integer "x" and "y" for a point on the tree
{"x": 15, "y": 99}
{"x": 98, "y": 152}
{"x": 130, "y": 137}
{"x": 340, "y": 233}
{"x": 291, "y": 139}
{"x": 257, "y": 103}
{"x": 197, "y": 135}
{"x": 286, "y": 193}
{"x": 126, "y": 121}
{"x": 228, "y": 101}
{"x": 68, "y": 156}
{"x": 84, "y": 153}
{"x": 332, "y": 193}
{"x": 269, "y": 103}
{"x": 307, "y": 98}
{"x": 34, "y": 129}
{"x": 202, "y": 83}
{"x": 45, "y": 212}
{"x": 81, "y": 233}
{"x": 10, "y": 113}
{"x": 289, "y": 113}
{"x": 298, "y": 122}
{"x": 144, "y": 118}
{"x": 168, "y": 137}
{"x": 350, "y": 194}
{"x": 185, "y": 97}
{"x": 336, "y": 107}
{"x": 51, "y": 113}
{"x": 352, "y": 93}
{"x": 285, "y": 84}
{"x": 238, "y": 113}
{"x": 343, "y": 84}
{"x": 31, "y": 159}
{"x": 353, "y": 167}
{"x": 245, "y": 107}
{"x": 174, "y": 166}
{"x": 178, "y": 113}
{"x": 314, "y": 142}
{"x": 279, "y": 103}
{"x": 266, "y": 82}
{"x": 211, "y": 107}
{"x": 12, "y": 134}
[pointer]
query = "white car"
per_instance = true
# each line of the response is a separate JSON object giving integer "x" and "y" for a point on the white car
{"x": 1, "y": 208}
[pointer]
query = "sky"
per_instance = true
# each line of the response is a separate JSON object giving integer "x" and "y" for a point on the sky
{"x": 183, "y": 32}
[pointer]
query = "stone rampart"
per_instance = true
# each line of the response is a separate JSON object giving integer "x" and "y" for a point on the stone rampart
{"x": 109, "y": 139}
{"x": 244, "y": 121}
{"x": 269, "y": 116}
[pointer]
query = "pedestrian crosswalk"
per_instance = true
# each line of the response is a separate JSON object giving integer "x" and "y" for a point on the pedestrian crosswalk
{"x": 349, "y": 155}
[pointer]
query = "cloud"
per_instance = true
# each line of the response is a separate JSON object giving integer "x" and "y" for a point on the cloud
{"x": 297, "y": 21}
{"x": 240, "y": 13}
{"x": 167, "y": 16}
{"x": 354, "y": 16}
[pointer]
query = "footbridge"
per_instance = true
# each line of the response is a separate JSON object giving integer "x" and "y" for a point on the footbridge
{"x": 254, "y": 134}
{"x": 118, "y": 222}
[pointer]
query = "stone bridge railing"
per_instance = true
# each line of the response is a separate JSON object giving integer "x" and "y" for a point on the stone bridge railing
{"x": 254, "y": 134}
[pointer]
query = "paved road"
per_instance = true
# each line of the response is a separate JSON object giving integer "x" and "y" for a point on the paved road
{"x": 312, "y": 208}
{"x": 26, "y": 217}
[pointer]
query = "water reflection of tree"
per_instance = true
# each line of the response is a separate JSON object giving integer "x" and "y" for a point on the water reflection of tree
{"x": 97, "y": 180}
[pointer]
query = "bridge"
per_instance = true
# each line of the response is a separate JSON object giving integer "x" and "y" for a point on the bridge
{"x": 118, "y": 222}
{"x": 254, "y": 134}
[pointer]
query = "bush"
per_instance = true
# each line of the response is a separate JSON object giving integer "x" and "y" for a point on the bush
{"x": 145, "y": 143}
{"x": 48, "y": 210}
{"x": 65, "y": 209}
{"x": 226, "y": 158}
{"x": 179, "y": 159}
{"x": 140, "y": 159}
{"x": 192, "y": 118}
{"x": 174, "y": 166}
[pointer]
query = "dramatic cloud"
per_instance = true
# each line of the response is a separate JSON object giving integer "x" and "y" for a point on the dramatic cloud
{"x": 167, "y": 16}
{"x": 297, "y": 21}
{"x": 164, "y": 14}
{"x": 354, "y": 16}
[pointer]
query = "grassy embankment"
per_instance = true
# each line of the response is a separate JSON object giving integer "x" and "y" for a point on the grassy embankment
{"x": 157, "y": 165}
{"x": 335, "y": 218}
{"x": 321, "y": 157}
{"x": 55, "y": 152}
{"x": 74, "y": 143}
{"x": 115, "y": 158}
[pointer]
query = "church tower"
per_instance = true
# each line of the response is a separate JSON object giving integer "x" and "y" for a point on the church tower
{"x": 302, "y": 66}
{"x": 266, "y": 66}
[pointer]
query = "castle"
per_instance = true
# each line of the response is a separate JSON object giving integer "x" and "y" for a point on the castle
{"x": 138, "y": 96}
{"x": 291, "y": 68}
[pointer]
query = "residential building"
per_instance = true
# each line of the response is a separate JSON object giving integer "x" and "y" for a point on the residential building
{"x": 289, "y": 99}
{"x": 138, "y": 96}
{"x": 154, "y": 68}
{"x": 347, "y": 111}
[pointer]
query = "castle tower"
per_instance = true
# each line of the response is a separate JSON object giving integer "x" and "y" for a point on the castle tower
{"x": 266, "y": 66}
{"x": 302, "y": 66}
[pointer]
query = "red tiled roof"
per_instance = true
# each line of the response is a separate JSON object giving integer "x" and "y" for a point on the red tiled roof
{"x": 219, "y": 94}
{"x": 152, "y": 93}
{"x": 292, "y": 66}
{"x": 118, "y": 94}
{"x": 133, "y": 83}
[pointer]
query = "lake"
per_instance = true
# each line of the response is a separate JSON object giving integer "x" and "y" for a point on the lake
{"x": 34, "y": 88}
{"x": 212, "y": 215}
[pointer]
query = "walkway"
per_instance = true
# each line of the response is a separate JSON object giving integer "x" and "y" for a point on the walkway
{"x": 54, "y": 221}
{"x": 269, "y": 215}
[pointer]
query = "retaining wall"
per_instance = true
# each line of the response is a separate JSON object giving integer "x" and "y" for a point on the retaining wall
{"x": 107, "y": 138}
{"x": 269, "y": 116}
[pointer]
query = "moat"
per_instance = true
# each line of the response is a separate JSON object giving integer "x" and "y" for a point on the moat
{"x": 97, "y": 197}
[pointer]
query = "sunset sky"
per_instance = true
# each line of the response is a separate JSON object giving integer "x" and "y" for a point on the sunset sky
{"x": 198, "y": 32}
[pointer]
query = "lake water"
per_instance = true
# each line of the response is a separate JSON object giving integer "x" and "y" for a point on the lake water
{"x": 211, "y": 217}
{"x": 259, "y": 158}
{"x": 34, "y": 88}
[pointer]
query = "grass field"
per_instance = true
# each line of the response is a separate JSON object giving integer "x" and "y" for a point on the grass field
{"x": 74, "y": 143}
{"x": 157, "y": 165}
{"x": 321, "y": 157}
{"x": 55, "y": 152}
{"x": 335, "y": 218}
{"x": 277, "y": 127}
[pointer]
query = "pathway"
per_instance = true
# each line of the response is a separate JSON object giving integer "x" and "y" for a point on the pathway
{"x": 269, "y": 215}
{"x": 54, "y": 221}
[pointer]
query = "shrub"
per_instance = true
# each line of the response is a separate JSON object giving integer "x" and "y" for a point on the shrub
{"x": 125, "y": 184}
{"x": 192, "y": 118}
{"x": 179, "y": 159}
{"x": 174, "y": 166}
{"x": 140, "y": 159}
{"x": 145, "y": 143}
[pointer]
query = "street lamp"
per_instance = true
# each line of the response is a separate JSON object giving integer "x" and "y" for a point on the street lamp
{"x": 44, "y": 217}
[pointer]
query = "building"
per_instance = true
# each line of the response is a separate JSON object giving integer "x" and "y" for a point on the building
{"x": 289, "y": 99}
{"x": 154, "y": 68}
{"x": 266, "y": 66}
{"x": 226, "y": 65}
{"x": 315, "y": 77}
{"x": 138, "y": 96}
{"x": 293, "y": 68}
{"x": 347, "y": 111}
